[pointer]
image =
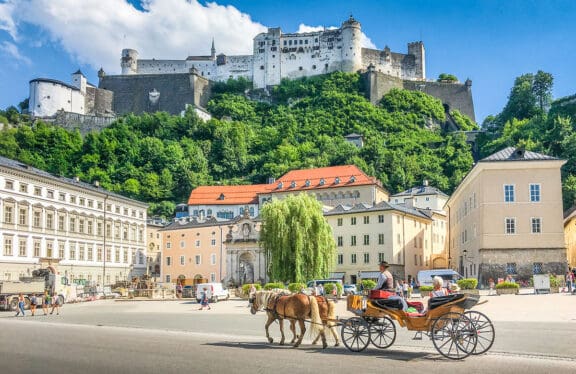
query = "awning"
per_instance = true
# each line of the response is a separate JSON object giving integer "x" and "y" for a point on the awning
{"x": 369, "y": 274}
{"x": 337, "y": 275}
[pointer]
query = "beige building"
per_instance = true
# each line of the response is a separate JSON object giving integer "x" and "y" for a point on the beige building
{"x": 154, "y": 253}
{"x": 506, "y": 217}
{"x": 570, "y": 236}
{"x": 45, "y": 219}
{"x": 367, "y": 234}
{"x": 194, "y": 249}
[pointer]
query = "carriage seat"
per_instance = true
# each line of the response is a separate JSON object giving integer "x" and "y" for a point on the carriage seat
{"x": 435, "y": 302}
{"x": 388, "y": 303}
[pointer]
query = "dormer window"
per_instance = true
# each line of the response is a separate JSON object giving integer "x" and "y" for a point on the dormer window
{"x": 221, "y": 197}
{"x": 322, "y": 181}
{"x": 280, "y": 185}
{"x": 292, "y": 184}
{"x": 307, "y": 183}
{"x": 352, "y": 179}
{"x": 337, "y": 180}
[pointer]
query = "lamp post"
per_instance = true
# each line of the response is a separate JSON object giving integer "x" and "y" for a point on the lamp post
{"x": 104, "y": 244}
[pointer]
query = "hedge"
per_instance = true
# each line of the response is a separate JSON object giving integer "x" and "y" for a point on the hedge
{"x": 507, "y": 285}
{"x": 467, "y": 283}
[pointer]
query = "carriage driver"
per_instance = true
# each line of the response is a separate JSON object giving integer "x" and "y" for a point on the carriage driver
{"x": 385, "y": 279}
{"x": 386, "y": 282}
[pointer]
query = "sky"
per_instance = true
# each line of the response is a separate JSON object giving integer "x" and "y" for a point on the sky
{"x": 490, "y": 42}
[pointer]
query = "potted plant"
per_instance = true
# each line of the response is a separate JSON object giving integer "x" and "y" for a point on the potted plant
{"x": 468, "y": 285}
{"x": 425, "y": 290}
{"x": 329, "y": 289}
{"x": 367, "y": 285}
{"x": 507, "y": 288}
{"x": 555, "y": 284}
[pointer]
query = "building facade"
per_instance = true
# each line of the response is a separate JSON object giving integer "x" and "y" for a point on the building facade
{"x": 506, "y": 218}
{"x": 154, "y": 252}
{"x": 86, "y": 232}
{"x": 570, "y": 237}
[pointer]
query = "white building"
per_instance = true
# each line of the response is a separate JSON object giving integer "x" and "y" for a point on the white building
{"x": 277, "y": 55}
{"x": 49, "y": 219}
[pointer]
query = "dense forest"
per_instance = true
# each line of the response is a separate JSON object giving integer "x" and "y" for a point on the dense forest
{"x": 159, "y": 158}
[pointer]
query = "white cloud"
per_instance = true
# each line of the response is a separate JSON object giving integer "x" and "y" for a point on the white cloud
{"x": 12, "y": 50}
{"x": 95, "y": 31}
{"x": 364, "y": 40}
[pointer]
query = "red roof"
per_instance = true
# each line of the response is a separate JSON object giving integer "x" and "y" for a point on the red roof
{"x": 320, "y": 178}
{"x": 227, "y": 195}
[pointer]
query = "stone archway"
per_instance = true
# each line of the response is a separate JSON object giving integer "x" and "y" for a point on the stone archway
{"x": 246, "y": 268}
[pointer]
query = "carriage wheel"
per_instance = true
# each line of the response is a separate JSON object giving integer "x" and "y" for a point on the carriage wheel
{"x": 484, "y": 330}
{"x": 382, "y": 333}
{"x": 454, "y": 336}
{"x": 355, "y": 334}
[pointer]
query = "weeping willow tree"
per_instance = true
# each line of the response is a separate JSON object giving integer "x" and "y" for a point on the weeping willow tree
{"x": 297, "y": 239}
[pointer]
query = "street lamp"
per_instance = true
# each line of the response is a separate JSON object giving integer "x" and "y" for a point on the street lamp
{"x": 104, "y": 244}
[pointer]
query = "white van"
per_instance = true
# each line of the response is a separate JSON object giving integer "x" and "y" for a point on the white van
{"x": 216, "y": 292}
{"x": 449, "y": 275}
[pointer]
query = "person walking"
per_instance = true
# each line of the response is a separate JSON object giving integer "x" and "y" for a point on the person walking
{"x": 491, "y": 286}
{"x": 405, "y": 289}
{"x": 55, "y": 304}
{"x": 46, "y": 302}
{"x": 569, "y": 281}
{"x": 20, "y": 308}
{"x": 204, "y": 300}
{"x": 33, "y": 303}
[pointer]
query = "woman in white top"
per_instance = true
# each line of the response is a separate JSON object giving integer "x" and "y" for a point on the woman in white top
{"x": 439, "y": 290}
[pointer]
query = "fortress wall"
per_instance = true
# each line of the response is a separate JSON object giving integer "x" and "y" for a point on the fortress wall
{"x": 84, "y": 123}
{"x": 455, "y": 95}
{"x": 236, "y": 66}
{"x": 131, "y": 92}
{"x": 161, "y": 67}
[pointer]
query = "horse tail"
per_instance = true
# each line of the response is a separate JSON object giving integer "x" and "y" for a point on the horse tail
{"x": 316, "y": 326}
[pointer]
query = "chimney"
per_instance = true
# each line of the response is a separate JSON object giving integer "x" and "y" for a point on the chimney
{"x": 96, "y": 184}
{"x": 425, "y": 183}
{"x": 76, "y": 179}
{"x": 409, "y": 202}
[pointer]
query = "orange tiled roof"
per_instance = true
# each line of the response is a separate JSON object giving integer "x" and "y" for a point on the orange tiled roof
{"x": 227, "y": 195}
{"x": 320, "y": 178}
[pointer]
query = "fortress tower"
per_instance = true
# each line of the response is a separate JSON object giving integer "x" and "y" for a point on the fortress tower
{"x": 351, "y": 45}
{"x": 129, "y": 61}
{"x": 417, "y": 49}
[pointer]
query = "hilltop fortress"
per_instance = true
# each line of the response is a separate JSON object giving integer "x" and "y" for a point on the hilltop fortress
{"x": 149, "y": 85}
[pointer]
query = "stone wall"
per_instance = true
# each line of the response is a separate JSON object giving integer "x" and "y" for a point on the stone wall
{"x": 83, "y": 122}
{"x": 493, "y": 262}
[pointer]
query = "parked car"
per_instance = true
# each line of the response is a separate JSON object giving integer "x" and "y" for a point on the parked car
{"x": 216, "y": 292}
{"x": 350, "y": 289}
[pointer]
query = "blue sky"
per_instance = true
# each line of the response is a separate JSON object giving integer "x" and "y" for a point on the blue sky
{"x": 489, "y": 41}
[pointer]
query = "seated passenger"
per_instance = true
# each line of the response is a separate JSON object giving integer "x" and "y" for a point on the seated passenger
{"x": 438, "y": 290}
{"x": 386, "y": 282}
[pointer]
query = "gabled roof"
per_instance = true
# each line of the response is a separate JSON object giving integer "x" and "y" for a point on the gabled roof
{"x": 380, "y": 207}
{"x": 420, "y": 191}
{"x": 516, "y": 154}
{"x": 227, "y": 195}
{"x": 320, "y": 178}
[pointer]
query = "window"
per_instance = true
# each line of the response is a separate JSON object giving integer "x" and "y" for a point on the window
{"x": 168, "y": 245}
{"x": 182, "y": 244}
{"x": 415, "y": 260}
{"x": 213, "y": 242}
{"x": 50, "y": 194}
{"x": 197, "y": 243}
{"x": 537, "y": 268}
{"x": 49, "y": 221}
{"x": 340, "y": 258}
{"x": 511, "y": 268}
{"x": 8, "y": 214}
{"x": 61, "y": 251}
{"x": 167, "y": 278}
{"x": 198, "y": 259}
{"x": 510, "y": 225}
{"x": 36, "y": 249}
{"x": 7, "y": 246}
{"x": 182, "y": 260}
{"x": 340, "y": 240}
{"x": 99, "y": 229}
{"x": 534, "y": 193}
{"x": 90, "y": 225}
{"x": 22, "y": 216}
{"x": 72, "y": 199}
{"x": 213, "y": 259}
{"x": 366, "y": 239}
{"x": 90, "y": 203}
{"x": 339, "y": 221}
{"x": 536, "y": 225}
{"x": 353, "y": 220}
{"x": 9, "y": 185}
{"x": 353, "y": 240}
{"x": 117, "y": 256}
{"x": 23, "y": 187}
{"x": 81, "y": 226}
{"x": 99, "y": 253}
{"x": 90, "y": 254}
{"x": 509, "y": 193}
{"x": 36, "y": 220}
{"x": 366, "y": 220}
{"x": 49, "y": 249}
{"x": 72, "y": 253}
{"x": 22, "y": 248}
{"x": 366, "y": 258}
{"x": 38, "y": 191}
{"x": 168, "y": 261}
{"x": 380, "y": 238}
{"x": 72, "y": 224}
{"x": 381, "y": 257}
{"x": 381, "y": 218}
{"x": 353, "y": 258}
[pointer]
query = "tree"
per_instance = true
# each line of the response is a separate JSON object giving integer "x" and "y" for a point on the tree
{"x": 542, "y": 89}
{"x": 444, "y": 77}
{"x": 297, "y": 239}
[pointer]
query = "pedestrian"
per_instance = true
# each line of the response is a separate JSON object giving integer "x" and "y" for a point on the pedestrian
{"x": 179, "y": 290}
{"x": 320, "y": 290}
{"x": 491, "y": 286}
{"x": 204, "y": 300}
{"x": 399, "y": 288}
{"x": 20, "y": 308}
{"x": 569, "y": 281}
{"x": 33, "y": 303}
{"x": 46, "y": 302}
{"x": 405, "y": 289}
{"x": 55, "y": 304}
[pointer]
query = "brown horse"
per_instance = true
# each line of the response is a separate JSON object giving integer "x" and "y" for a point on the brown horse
{"x": 283, "y": 306}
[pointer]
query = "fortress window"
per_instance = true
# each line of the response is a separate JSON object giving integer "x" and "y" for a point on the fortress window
{"x": 300, "y": 41}
{"x": 284, "y": 42}
{"x": 315, "y": 40}
{"x": 261, "y": 67}
{"x": 273, "y": 49}
{"x": 314, "y": 67}
{"x": 290, "y": 42}
{"x": 306, "y": 41}
{"x": 326, "y": 66}
{"x": 273, "y": 42}
{"x": 300, "y": 68}
{"x": 261, "y": 50}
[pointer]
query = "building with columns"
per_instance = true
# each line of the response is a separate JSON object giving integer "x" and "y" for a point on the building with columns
{"x": 84, "y": 231}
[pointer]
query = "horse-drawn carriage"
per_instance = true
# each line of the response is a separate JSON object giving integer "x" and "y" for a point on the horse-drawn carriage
{"x": 455, "y": 332}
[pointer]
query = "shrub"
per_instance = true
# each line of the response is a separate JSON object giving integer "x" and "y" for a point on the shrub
{"x": 329, "y": 287}
{"x": 467, "y": 283}
{"x": 271, "y": 286}
{"x": 296, "y": 287}
{"x": 246, "y": 288}
{"x": 555, "y": 281}
{"x": 426, "y": 288}
{"x": 507, "y": 285}
{"x": 368, "y": 284}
